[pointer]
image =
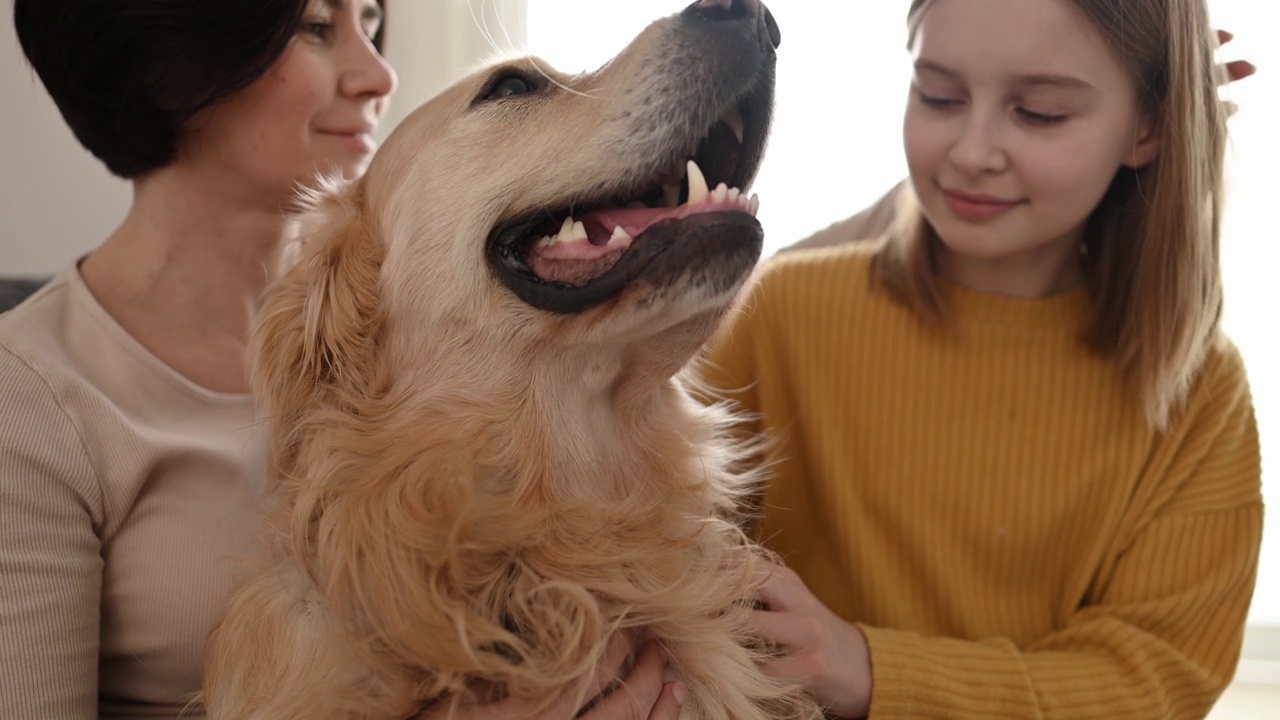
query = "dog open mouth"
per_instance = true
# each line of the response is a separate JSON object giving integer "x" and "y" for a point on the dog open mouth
{"x": 579, "y": 256}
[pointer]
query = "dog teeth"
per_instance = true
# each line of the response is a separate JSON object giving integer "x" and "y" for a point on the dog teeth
{"x": 721, "y": 193}
{"x": 570, "y": 231}
{"x": 697, "y": 184}
{"x": 619, "y": 234}
{"x": 753, "y": 205}
{"x": 733, "y": 119}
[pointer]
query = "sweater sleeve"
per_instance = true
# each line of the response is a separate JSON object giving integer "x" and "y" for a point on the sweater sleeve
{"x": 1160, "y": 635}
{"x": 50, "y": 558}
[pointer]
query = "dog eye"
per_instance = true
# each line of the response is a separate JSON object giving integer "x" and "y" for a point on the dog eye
{"x": 509, "y": 86}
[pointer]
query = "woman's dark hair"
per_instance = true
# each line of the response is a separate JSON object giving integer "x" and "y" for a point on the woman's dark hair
{"x": 128, "y": 74}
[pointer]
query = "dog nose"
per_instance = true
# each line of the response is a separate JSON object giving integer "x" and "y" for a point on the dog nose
{"x": 737, "y": 10}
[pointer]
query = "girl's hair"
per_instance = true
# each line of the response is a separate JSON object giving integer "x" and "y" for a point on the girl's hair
{"x": 1151, "y": 264}
{"x": 128, "y": 74}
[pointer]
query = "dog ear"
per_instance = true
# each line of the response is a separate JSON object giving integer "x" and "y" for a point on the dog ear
{"x": 319, "y": 323}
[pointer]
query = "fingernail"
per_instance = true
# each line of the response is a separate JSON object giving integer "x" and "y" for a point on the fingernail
{"x": 678, "y": 691}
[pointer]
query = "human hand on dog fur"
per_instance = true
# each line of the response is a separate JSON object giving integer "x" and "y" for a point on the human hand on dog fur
{"x": 641, "y": 695}
{"x": 819, "y": 650}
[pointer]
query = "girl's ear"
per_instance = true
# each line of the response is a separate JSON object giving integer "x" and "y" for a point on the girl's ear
{"x": 1146, "y": 144}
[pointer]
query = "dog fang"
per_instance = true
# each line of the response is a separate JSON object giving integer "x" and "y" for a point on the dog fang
{"x": 697, "y": 184}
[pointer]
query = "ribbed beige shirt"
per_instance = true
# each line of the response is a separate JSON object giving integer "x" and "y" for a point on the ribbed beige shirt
{"x": 127, "y": 505}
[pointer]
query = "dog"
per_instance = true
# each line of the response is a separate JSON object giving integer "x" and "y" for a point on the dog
{"x": 484, "y": 462}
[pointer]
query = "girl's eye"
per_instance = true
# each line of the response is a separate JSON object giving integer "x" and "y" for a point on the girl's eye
{"x": 510, "y": 86}
{"x": 938, "y": 102}
{"x": 1041, "y": 118}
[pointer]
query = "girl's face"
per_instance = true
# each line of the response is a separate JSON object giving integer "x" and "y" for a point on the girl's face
{"x": 1019, "y": 117}
{"x": 315, "y": 110}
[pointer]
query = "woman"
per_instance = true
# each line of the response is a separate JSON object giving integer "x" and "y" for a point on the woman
{"x": 129, "y": 462}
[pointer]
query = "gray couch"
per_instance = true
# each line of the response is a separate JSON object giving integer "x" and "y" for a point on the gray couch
{"x": 14, "y": 290}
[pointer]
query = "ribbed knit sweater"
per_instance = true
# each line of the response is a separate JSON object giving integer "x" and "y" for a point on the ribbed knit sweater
{"x": 989, "y": 506}
{"x": 127, "y": 514}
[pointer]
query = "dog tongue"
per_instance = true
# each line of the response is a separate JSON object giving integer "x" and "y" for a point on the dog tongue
{"x": 579, "y": 258}
{"x": 633, "y": 220}
{"x": 577, "y": 261}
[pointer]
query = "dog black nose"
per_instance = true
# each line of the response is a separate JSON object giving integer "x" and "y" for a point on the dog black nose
{"x": 721, "y": 9}
{"x": 737, "y": 10}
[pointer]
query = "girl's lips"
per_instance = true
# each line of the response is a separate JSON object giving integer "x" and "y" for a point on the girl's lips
{"x": 977, "y": 207}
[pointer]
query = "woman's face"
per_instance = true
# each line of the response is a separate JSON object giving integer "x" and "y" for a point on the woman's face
{"x": 313, "y": 112}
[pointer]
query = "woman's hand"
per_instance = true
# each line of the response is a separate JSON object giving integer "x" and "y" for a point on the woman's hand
{"x": 1234, "y": 70}
{"x": 641, "y": 695}
{"x": 820, "y": 651}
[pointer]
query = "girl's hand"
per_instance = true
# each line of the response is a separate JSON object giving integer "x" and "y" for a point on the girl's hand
{"x": 820, "y": 651}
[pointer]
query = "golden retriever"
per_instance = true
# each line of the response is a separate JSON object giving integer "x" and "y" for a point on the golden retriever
{"x": 484, "y": 464}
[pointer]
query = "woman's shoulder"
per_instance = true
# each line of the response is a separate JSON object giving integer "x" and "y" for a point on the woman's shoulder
{"x": 42, "y": 436}
{"x": 33, "y": 337}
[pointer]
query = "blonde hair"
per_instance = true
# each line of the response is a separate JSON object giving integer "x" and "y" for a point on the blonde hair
{"x": 1151, "y": 265}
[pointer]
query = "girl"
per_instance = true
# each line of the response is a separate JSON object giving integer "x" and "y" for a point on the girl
{"x": 1015, "y": 465}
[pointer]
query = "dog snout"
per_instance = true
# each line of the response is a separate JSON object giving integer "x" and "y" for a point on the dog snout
{"x": 738, "y": 10}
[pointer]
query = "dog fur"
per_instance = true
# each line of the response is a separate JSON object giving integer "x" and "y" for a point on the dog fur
{"x": 473, "y": 495}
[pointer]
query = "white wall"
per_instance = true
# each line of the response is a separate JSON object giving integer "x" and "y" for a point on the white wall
{"x": 57, "y": 201}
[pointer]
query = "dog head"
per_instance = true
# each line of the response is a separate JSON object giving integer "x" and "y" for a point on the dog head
{"x": 597, "y": 220}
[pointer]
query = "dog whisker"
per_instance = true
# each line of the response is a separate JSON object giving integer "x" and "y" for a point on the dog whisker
{"x": 481, "y": 21}
{"x": 554, "y": 81}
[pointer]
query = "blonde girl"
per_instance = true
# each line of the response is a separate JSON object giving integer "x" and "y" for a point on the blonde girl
{"x": 1015, "y": 468}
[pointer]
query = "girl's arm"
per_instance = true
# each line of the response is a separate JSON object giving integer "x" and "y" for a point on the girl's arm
{"x": 1161, "y": 639}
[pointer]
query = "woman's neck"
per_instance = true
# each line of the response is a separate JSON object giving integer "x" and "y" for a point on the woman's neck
{"x": 183, "y": 273}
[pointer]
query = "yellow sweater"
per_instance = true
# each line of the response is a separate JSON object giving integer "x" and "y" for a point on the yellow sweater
{"x": 990, "y": 508}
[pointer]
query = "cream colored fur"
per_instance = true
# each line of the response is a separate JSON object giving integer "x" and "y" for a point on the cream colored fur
{"x": 473, "y": 496}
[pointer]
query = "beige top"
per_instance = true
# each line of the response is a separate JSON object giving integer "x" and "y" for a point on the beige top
{"x": 127, "y": 510}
